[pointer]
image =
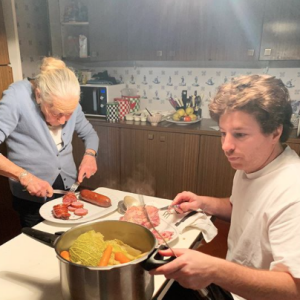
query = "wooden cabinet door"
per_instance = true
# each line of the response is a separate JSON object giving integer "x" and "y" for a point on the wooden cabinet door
{"x": 189, "y": 30}
{"x": 158, "y": 164}
{"x": 6, "y": 78}
{"x": 281, "y": 30}
{"x": 108, "y": 158}
{"x": 147, "y": 29}
{"x": 108, "y": 29}
{"x": 215, "y": 175}
{"x": 4, "y": 57}
{"x": 235, "y": 29}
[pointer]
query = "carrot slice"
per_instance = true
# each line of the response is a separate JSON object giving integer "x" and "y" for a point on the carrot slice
{"x": 121, "y": 257}
{"x": 65, "y": 254}
{"x": 105, "y": 256}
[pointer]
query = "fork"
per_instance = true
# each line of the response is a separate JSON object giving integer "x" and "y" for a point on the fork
{"x": 173, "y": 211}
{"x": 75, "y": 185}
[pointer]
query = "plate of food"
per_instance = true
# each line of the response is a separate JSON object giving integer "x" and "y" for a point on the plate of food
{"x": 57, "y": 212}
{"x": 136, "y": 214}
{"x": 184, "y": 123}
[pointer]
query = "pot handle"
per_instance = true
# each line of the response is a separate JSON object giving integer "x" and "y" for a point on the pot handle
{"x": 155, "y": 260}
{"x": 45, "y": 237}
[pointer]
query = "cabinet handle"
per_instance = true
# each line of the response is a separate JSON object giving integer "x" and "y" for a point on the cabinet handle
{"x": 150, "y": 136}
{"x": 267, "y": 52}
{"x": 162, "y": 138}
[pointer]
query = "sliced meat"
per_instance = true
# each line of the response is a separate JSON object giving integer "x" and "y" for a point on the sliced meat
{"x": 80, "y": 212}
{"x": 69, "y": 198}
{"x": 136, "y": 214}
{"x": 60, "y": 211}
{"x": 71, "y": 208}
{"x": 77, "y": 204}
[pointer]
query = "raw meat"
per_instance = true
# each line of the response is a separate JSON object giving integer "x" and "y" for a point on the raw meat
{"x": 136, "y": 214}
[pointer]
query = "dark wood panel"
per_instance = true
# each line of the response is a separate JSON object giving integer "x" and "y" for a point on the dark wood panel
{"x": 6, "y": 78}
{"x": 4, "y": 57}
{"x": 158, "y": 164}
{"x": 108, "y": 159}
{"x": 108, "y": 29}
{"x": 215, "y": 175}
{"x": 281, "y": 30}
{"x": 147, "y": 29}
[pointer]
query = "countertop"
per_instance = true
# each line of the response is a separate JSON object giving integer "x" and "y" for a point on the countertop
{"x": 29, "y": 270}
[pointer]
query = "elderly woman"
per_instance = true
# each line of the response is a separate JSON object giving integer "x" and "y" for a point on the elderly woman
{"x": 37, "y": 120}
{"x": 263, "y": 258}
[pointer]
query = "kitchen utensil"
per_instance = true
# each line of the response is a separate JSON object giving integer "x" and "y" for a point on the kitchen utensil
{"x": 118, "y": 282}
{"x": 148, "y": 112}
{"x": 191, "y": 213}
{"x": 75, "y": 185}
{"x": 141, "y": 198}
{"x": 60, "y": 192}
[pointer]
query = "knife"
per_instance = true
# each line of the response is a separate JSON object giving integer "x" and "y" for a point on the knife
{"x": 60, "y": 192}
{"x": 186, "y": 217}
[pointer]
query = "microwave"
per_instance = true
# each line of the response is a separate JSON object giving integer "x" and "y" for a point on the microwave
{"x": 94, "y": 97}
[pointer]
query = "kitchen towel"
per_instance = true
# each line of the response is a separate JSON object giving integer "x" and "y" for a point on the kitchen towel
{"x": 200, "y": 221}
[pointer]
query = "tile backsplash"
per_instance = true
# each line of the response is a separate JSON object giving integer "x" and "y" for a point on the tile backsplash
{"x": 156, "y": 85}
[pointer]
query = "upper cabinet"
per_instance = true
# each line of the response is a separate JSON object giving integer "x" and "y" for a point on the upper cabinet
{"x": 69, "y": 28}
{"x": 166, "y": 30}
{"x": 108, "y": 29}
{"x": 281, "y": 30}
{"x": 194, "y": 30}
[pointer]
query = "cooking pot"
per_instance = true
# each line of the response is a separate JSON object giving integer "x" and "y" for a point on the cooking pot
{"x": 129, "y": 281}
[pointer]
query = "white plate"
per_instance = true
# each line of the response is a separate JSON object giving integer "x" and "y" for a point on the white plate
{"x": 182, "y": 123}
{"x": 95, "y": 211}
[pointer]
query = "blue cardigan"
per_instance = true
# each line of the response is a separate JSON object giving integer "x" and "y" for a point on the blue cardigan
{"x": 29, "y": 143}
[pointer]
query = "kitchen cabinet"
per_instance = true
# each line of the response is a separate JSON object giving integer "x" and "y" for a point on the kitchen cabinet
{"x": 281, "y": 30}
{"x": 108, "y": 158}
{"x": 69, "y": 28}
{"x": 160, "y": 164}
{"x": 235, "y": 29}
{"x": 215, "y": 175}
{"x": 195, "y": 30}
{"x": 108, "y": 29}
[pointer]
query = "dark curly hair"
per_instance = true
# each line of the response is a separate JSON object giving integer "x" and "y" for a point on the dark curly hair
{"x": 263, "y": 96}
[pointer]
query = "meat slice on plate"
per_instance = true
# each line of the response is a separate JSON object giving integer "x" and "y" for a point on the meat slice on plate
{"x": 167, "y": 235}
{"x": 136, "y": 214}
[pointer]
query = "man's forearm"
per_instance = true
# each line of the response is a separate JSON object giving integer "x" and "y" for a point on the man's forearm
{"x": 218, "y": 207}
{"x": 255, "y": 284}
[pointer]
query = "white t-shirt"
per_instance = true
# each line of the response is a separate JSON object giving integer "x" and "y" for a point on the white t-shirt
{"x": 265, "y": 220}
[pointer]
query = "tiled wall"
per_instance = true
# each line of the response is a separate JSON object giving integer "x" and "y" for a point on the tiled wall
{"x": 154, "y": 84}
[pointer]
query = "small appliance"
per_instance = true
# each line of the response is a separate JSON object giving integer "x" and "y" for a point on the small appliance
{"x": 94, "y": 98}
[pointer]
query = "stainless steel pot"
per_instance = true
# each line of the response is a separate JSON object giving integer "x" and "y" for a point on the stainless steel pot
{"x": 128, "y": 281}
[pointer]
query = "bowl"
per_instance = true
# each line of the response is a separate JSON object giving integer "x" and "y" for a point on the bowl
{"x": 154, "y": 119}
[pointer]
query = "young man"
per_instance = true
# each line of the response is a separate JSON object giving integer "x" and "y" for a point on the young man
{"x": 263, "y": 258}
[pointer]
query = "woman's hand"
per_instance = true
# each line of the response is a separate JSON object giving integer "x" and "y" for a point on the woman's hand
{"x": 36, "y": 186}
{"x": 186, "y": 201}
{"x": 88, "y": 167}
{"x": 192, "y": 269}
